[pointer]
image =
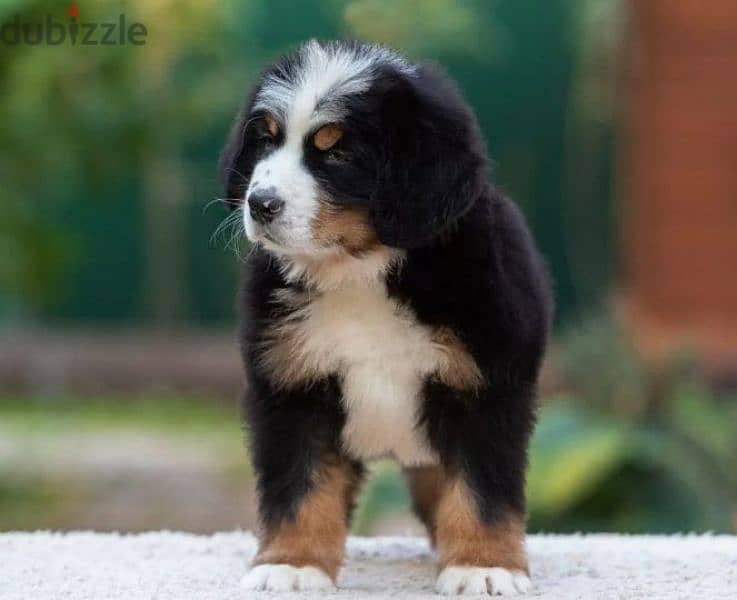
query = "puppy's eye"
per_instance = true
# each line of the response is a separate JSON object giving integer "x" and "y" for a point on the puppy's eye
{"x": 264, "y": 128}
{"x": 271, "y": 125}
{"x": 326, "y": 137}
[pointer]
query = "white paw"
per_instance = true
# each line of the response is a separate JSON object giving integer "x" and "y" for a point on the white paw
{"x": 286, "y": 578}
{"x": 478, "y": 580}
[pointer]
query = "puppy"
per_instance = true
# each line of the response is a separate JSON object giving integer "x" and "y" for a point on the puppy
{"x": 394, "y": 305}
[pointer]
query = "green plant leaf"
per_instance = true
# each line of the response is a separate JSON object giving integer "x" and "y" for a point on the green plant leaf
{"x": 571, "y": 455}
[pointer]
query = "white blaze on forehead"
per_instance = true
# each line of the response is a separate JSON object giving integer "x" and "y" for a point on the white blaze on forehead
{"x": 324, "y": 74}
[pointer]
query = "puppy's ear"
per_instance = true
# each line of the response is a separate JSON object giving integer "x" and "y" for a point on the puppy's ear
{"x": 232, "y": 165}
{"x": 433, "y": 163}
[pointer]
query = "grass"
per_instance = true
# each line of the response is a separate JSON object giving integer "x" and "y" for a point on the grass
{"x": 150, "y": 413}
{"x": 41, "y": 489}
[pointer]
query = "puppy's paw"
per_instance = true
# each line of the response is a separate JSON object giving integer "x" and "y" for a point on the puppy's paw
{"x": 286, "y": 578}
{"x": 493, "y": 581}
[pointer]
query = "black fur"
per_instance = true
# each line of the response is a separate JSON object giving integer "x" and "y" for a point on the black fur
{"x": 412, "y": 154}
{"x": 432, "y": 167}
{"x": 486, "y": 282}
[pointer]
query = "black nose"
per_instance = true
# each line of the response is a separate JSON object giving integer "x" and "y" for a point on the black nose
{"x": 264, "y": 206}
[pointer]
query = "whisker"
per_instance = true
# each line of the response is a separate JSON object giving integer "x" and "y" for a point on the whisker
{"x": 215, "y": 200}
{"x": 234, "y": 222}
{"x": 237, "y": 172}
{"x": 251, "y": 251}
{"x": 229, "y": 221}
{"x": 234, "y": 243}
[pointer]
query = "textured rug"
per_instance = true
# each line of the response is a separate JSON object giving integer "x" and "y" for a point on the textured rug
{"x": 180, "y": 566}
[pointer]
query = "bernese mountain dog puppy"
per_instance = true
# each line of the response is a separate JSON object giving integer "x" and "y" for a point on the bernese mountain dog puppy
{"x": 394, "y": 305}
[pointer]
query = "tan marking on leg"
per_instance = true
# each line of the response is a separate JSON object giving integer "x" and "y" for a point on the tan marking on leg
{"x": 464, "y": 540}
{"x": 426, "y": 486}
{"x": 349, "y": 228}
{"x": 316, "y": 537}
{"x": 457, "y": 368}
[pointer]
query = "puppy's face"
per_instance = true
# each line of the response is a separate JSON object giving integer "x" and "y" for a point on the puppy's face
{"x": 346, "y": 146}
{"x": 311, "y": 166}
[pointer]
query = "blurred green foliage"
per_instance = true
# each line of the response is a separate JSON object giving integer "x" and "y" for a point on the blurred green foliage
{"x": 108, "y": 154}
{"x": 147, "y": 412}
{"x": 641, "y": 449}
{"x": 383, "y": 495}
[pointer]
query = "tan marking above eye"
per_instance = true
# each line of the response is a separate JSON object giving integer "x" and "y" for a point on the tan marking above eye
{"x": 271, "y": 125}
{"x": 326, "y": 137}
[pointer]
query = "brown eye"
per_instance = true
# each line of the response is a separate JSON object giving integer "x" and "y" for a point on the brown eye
{"x": 271, "y": 125}
{"x": 327, "y": 137}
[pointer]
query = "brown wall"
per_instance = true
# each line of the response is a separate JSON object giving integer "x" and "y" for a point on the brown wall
{"x": 680, "y": 164}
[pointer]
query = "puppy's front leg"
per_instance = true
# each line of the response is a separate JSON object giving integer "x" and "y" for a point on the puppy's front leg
{"x": 303, "y": 549}
{"x": 474, "y": 500}
{"x": 478, "y": 557}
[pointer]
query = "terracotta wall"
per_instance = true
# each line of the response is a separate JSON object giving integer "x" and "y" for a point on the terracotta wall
{"x": 679, "y": 163}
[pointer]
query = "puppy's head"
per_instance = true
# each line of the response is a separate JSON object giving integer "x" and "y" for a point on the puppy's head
{"x": 344, "y": 147}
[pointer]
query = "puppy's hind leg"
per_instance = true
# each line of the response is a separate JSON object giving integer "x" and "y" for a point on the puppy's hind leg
{"x": 426, "y": 485}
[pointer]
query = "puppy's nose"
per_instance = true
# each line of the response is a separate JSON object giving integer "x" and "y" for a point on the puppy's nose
{"x": 264, "y": 206}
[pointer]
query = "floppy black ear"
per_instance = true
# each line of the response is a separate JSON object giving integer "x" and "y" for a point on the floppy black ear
{"x": 233, "y": 166}
{"x": 434, "y": 161}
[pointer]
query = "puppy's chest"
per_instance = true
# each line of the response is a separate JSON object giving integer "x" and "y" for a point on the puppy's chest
{"x": 381, "y": 355}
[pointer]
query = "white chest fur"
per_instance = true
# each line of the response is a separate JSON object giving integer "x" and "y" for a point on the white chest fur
{"x": 381, "y": 355}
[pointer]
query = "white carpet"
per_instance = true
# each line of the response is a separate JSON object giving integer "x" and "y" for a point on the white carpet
{"x": 161, "y": 566}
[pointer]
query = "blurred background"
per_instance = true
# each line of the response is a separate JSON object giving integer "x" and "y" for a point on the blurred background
{"x": 613, "y": 123}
